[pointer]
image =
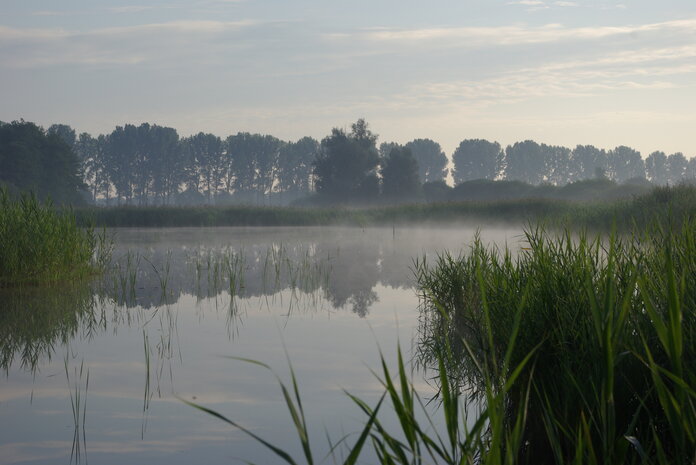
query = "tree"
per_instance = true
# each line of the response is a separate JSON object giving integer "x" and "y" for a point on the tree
{"x": 92, "y": 155}
{"x": 33, "y": 160}
{"x": 476, "y": 159}
{"x": 677, "y": 167}
{"x": 624, "y": 163}
{"x": 656, "y": 168}
{"x": 121, "y": 156}
{"x": 205, "y": 163}
{"x": 690, "y": 174}
{"x": 253, "y": 164}
{"x": 65, "y": 132}
{"x": 346, "y": 163}
{"x": 385, "y": 149}
{"x": 436, "y": 191}
{"x": 400, "y": 177}
{"x": 295, "y": 166}
{"x": 432, "y": 161}
{"x": 267, "y": 155}
{"x": 167, "y": 161}
{"x": 559, "y": 167}
{"x": 241, "y": 169}
{"x": 525, "y": 161}
{"x": 587, "y": 160}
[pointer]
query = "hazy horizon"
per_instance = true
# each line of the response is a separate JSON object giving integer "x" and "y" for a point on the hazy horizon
{"x": 605, "y": 73}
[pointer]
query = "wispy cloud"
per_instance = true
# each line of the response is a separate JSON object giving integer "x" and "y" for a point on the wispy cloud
{"x": 122, "y": 45}
{"x": 49, "y": 13}
{"x": 654, "y": 68}
{"x": 515, "y": 35}
{"x": 130, "y": 8}
{"x": 526, "y": 2}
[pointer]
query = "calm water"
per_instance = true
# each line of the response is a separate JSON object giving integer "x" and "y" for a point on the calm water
{"x": 95, "y": 373}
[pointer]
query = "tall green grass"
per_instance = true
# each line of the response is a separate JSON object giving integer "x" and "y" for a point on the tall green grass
{"x": 578, "y": 350}
{"x": 39, "y": 244}
{"x": 611, "y": 323}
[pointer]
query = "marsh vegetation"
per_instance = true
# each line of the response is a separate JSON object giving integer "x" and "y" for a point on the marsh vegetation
{"x": 39, "y": 244}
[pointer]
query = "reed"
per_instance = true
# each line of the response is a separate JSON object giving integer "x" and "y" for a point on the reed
{"x": 611, "y": 322}
{"x": 39, "y": 244}
{"x": 599, "y": 215}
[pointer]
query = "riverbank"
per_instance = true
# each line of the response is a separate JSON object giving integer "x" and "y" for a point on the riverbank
{"x": 660, "y": 204}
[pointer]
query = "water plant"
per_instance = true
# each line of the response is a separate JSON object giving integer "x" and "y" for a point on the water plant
{"x": 40, "y": 244}
{"x": 612, "y": 325}
{"x": 78, "y": 404}
{"x": 640, "y": 209}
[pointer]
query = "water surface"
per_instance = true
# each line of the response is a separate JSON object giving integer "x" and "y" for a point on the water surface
{"x": 96, "y": 372}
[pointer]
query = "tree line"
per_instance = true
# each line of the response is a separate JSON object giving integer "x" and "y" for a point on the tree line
{"x": 152, "y": 165}
{"x": 535, "y": 163}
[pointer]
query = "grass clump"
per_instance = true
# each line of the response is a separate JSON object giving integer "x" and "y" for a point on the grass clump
{"x": 39, "y": 244}
{"x": 612, "y": 326}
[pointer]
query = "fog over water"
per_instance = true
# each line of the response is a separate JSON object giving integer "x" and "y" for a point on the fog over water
{"x": 179, "y": 301}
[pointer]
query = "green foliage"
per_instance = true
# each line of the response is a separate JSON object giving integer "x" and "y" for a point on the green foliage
{"x": 432, "y": 161}
{"x": 624, "y": 163}
{"x": 400, "y": 179}
{"x": 525, "y": 161}
{"x": 206, "y": 163}
{"x": 476, "y": 159}
{"x": 436, "y": 191}
{"x": 64, "y": 132}
{"x": 39, "y": 244}
{"x": 612, "y": 327}
{"x": 253, "y": 161}
{"x": 416, "y": 439}
{"x": 345, "y": 167}
{"x": 33, "y": 160}
{"x": 295, "y": 166}
{"x": 587, "y": 190}
{"x": 140, "y": 162}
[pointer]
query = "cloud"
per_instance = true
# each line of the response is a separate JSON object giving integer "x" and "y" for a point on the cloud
{"x": 130, "y": 8}
{"x": 526, "y": 2}
{"x": 122, "y": 45}
{"x": 185, "y": 26}
{"x": 515, "y": 35}
{"x": 563, "y": 4}
{"x": 49, "y": 13}
{"x": 652, "y": 68}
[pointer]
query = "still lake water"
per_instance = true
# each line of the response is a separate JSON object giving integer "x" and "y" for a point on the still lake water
{"x": 94, "y": 373}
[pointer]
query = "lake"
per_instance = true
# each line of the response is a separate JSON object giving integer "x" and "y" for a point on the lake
{"x": 96, "y": 372}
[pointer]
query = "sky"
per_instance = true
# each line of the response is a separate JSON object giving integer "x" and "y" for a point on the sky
{"x": 566, "y": 72}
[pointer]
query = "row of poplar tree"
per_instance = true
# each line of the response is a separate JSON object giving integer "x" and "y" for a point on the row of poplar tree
{"x": 151, "y": 164}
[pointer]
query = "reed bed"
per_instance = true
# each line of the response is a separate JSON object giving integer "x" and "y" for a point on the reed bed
{"x": 641, "y": 210}
{"x": 611, "y": 324}
{"x": 39, "y": 244}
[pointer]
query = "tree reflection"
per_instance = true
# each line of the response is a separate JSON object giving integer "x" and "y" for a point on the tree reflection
{"x": 344, "y": 272}
{"x": 34, "y": 322}
{"x": 341, "y": 270}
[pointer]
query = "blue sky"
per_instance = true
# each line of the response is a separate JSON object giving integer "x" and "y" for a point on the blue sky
{"x": 602, "y": 72}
